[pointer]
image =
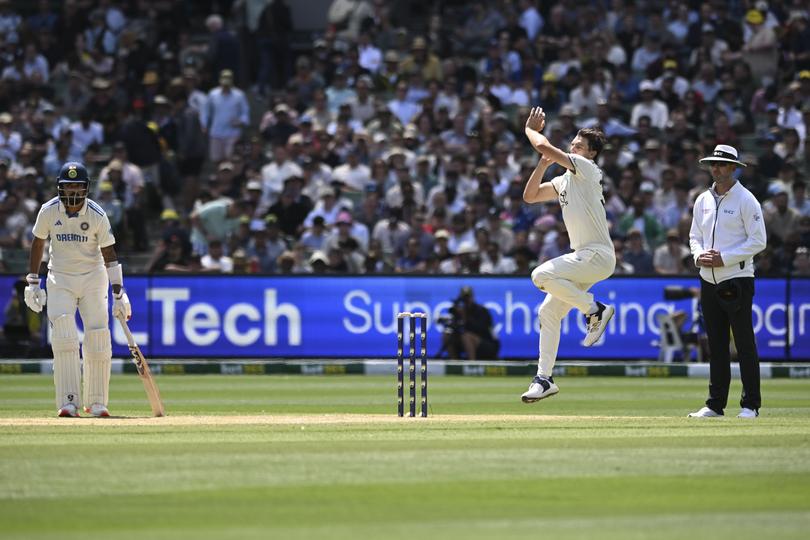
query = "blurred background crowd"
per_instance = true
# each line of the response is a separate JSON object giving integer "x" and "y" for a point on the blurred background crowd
{"x": 223, "y": 137}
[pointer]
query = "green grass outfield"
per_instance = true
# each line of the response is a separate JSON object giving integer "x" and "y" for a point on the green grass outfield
{"x": 287, "y": 457}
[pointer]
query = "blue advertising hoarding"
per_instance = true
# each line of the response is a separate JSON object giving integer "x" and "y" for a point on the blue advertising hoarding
{"x": 355, "y": 317}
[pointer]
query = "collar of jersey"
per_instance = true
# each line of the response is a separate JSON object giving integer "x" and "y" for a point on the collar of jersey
{"x": 82, "y": 211}
{"x": 732, "y": 188}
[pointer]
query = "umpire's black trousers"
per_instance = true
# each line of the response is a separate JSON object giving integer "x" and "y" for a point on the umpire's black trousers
{"x": 728, "y": 305}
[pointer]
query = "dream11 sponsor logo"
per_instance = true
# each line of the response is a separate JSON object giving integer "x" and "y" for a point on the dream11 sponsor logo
{"x": 510, "y": 315}
{"x": 202, "y": 324}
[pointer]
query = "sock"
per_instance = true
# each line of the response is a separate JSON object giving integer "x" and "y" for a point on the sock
{"x": 593, "y": 309}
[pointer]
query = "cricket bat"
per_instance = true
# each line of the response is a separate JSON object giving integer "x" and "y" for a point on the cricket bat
{"x": 144, "y": 372}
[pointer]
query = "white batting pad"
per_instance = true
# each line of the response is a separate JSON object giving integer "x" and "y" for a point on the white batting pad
{"x": 66, "y": 363}
{"x": 97, "y": 353}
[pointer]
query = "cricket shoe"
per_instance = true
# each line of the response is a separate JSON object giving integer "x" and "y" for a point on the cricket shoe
{"x": 98, "y": 410}
{"x": 68, "y": 410}
{"x": 540, "y": 388}
{"x": 597, "y": 323}
{"x": 705, "y": 412}
{"x": 748, "y": 413}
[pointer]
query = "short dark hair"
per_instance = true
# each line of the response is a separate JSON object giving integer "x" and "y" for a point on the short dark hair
{"x": 596, "y": 139}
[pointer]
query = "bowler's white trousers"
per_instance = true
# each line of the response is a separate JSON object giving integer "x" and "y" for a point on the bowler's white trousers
{"x": 566, "y": 280}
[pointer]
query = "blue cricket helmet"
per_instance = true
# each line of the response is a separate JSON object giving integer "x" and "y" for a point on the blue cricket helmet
{"x": 72, "y": 172}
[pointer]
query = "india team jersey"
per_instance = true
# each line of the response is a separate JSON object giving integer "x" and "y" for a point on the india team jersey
{"x": 76, "y": 241}
{"x": 583, "y": 205}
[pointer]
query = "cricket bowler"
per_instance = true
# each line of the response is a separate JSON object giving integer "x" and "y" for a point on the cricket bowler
{"x": 567, "y": 279}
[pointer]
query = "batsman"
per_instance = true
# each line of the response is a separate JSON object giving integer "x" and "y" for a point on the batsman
{"x": 81, "y": 266}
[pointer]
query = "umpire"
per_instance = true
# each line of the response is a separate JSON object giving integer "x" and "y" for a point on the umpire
{"x": 727, "y": 231}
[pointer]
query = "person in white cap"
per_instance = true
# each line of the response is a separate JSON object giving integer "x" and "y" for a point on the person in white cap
{"x": 650, "y": 106}
{"x": 566, "y": 279}
{"x": 727, "y": 231}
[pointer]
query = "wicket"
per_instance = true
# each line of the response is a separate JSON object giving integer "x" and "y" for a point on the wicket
{"x": 412, "y": 318}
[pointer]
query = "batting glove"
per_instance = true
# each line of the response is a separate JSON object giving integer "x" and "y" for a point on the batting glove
{"x": 121, "y": 308}
{"x": 35, "y": 298}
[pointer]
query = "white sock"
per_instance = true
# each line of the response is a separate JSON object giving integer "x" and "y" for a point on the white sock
{"x": 593, "y": 309}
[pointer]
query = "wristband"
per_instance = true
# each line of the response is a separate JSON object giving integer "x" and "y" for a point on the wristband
{"x": 116, "y": 274}
{"x": 32, "y": 279}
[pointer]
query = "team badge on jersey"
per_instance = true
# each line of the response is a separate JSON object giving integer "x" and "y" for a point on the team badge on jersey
{"x": 564, "y": 197}
{"x": 85, "y": 226}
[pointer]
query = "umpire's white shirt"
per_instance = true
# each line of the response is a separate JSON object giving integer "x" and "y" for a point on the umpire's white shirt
{"x": 731, "y": 224}
{"x": 583, "y": 205}
{"x": 75, "y": 240}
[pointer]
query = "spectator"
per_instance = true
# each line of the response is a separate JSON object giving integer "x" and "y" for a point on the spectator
{"x": 10, "y": 140}
{"x": 403, "y": 109}
{"x": 273, "y": 34}
{"x": 635, "y": 254}
{"x": 225, "y": 113}
{"x": 390, "y": 232}
{"x": 799, "y": 200}
{"x": 275, "y": 173}
{"x": 761, "y": 46}
{"x": 292, "y": 207}
{"x": 346, "y": 228}
{"x": 422, "y": 61}
{"x": 216, "y": 219}
{"x": 668, "y": 259}
{"x": 649, "y": 106}
{"x": 780, "y": 219}
{"x": 215, "y": 260}
{"x": 706, "y": 84}
{"x": 172, "y": 258}
{"x": 278, "y": 126}
{"x": 261, "y": 251}
{"x": 223, "y": 47}
{"x": 326, "y": 207}
{"x": 801, "y": 262}
{"x": 495, "y": 263}
{"x": 640, "y": 217}
{"x": 353, "y": 174}
{"x": 348, "y": 17}
{"x": 411, "y": 261}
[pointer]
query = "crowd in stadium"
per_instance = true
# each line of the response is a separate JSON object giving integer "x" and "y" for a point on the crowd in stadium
{"x": 217, "y": 145}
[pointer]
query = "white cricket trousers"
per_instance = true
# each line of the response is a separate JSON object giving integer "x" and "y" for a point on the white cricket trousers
{"x": 88, "y": 293}
{"x": 566, "y": 280}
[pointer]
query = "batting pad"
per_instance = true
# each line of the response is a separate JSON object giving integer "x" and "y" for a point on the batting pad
{"x": 97, "y": 353}
{"x": 66, "y": 363}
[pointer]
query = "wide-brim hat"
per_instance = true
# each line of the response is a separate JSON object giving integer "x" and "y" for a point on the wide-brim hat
{"x": 725, "y": 154}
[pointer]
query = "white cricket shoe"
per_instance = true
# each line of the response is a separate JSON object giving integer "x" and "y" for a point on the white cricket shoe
{"x": 748, "y": 413}
{"x": 68, "y": 410}
{"x": 705, "y": 412}
{"x": 540, "y": 388}
{"x": 597, "y": 323}
{"x": 98, "y": 410}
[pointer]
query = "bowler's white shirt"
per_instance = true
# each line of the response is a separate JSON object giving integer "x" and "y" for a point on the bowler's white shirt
{"x": 75, "y": 242}
{"x": 583, "y": 207}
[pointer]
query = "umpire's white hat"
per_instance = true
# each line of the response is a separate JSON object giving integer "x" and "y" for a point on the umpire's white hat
{"x": 725, "y": 154}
